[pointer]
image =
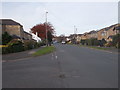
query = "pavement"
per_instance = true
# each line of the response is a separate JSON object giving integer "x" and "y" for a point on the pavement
{"x": 68, "y": 67}
{"x": 19, "y": 55}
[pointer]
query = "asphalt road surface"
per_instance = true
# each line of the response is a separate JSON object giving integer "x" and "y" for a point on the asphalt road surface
{"x": 68, "y": 67}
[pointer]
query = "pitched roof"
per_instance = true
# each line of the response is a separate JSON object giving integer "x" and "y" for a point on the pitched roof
{"x": 27, "y": 33}
{"x": 93, "y": 31}
{"x": 9, "y": 22}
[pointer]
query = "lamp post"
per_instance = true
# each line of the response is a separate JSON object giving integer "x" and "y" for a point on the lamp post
{"x": 46, "y": 29}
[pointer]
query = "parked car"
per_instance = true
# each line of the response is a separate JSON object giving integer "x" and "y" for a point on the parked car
{"x": 55, "y": 42}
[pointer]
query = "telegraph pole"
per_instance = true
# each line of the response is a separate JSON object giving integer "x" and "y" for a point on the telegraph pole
{"x": 46, "y": 28}
{"x": 75, "y": 31}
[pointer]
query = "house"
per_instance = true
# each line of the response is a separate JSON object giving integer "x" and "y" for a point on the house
{"x": 101, "y": 34}
{"x": 108, "y": 32}
{"x": 27, "y": 36}
{"x": 92, "y": 34}
{"x": 87, "y": 35}
{"x": 73, "y": 38}
{"x": 35, "y": 37}
{"x": 78, "y": 38}
{"x": 84, "y": 36}
{"x": 12, "y": 27}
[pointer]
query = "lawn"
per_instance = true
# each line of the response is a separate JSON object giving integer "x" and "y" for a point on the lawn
{"x": 95, "y": 47}
{"x": 44, "y": 50}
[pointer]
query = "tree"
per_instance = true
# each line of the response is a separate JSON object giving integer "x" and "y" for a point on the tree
{"x": 49, "y": 37}
{"x": 41, "y": 30}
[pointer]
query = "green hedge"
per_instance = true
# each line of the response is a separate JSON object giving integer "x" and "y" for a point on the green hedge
{"x": 93, "y": 42}
{"x": 13, "y": 46}
{"x": 116, "y": 41}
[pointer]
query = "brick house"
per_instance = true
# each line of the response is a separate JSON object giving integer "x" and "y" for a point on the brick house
{"x": 92, "y": 34}
{"x": 108, "y": 32}
{"x": 12, "y": 27}
{"x": 78, "y": 38}
{"x": 101, "y": 34}
{"x": 27, "y": 36}
{"x": 84, "y": 36}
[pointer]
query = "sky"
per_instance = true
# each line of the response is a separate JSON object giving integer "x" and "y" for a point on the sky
{"x": 85, "y": 16}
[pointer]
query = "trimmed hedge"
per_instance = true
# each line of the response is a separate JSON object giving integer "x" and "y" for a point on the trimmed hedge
{"x": 93, "y": 42}
{"x": 116, "y": 41}
{"x": 13, "y": 46}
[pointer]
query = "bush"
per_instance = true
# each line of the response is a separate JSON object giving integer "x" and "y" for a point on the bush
{"x": 109, "y": 44}
{"x": 83, "y": 42}
{"x": 90, "y": 42}
{"x": 42, "y": 43}
{"x": 102, "y": 42}
{"x": 13, "y": 46}
{"x": 5, "y": 38}
{"x": 4, "y": 50}
{"x": 28, "y": 45}
{"x": 116, "y": 41}
{"x": 118, "y": 45}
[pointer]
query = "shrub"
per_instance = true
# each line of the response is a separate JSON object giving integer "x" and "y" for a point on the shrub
{"x": 118, "y": 45}
{"x": 96, "y": 42}
{"x": 109, "y": 44}
{"x": 6, "y": 38}
{"x": 116, "y": 41}
{"x": 91, "y": 42}
{"x": 83, "y": 42}
{"x": 4, "y": 50}
{"x": 28, "y": 45}
{"x": 13, "y": 46}
{"x": 102, "y": 42}
{"x": 42, "y": 43}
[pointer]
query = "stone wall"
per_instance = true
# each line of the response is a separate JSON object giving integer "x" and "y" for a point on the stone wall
{"x": 13, "y": 30}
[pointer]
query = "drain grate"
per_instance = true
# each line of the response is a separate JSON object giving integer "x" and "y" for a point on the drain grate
{"x": 62, "y": 76}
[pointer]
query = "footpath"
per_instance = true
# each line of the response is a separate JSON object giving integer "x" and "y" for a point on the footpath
{"x": 109, "y": 49}
{"x": 19, "y": 55}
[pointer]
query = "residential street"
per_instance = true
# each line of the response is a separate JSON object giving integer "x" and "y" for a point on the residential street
{"x": 68, "y": 67}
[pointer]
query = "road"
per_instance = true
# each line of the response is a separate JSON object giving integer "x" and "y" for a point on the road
{"x": 68, "y": 67}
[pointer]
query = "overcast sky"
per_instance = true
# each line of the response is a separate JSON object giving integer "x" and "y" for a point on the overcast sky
{"x": 86, "y": 16}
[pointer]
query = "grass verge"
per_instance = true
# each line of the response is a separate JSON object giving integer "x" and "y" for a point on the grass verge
{"x": 44, "y": 50}
{"x": 95, "y": 47}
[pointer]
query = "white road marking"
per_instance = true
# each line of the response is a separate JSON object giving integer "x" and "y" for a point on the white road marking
{"x": 52, "y": 57}
{"x": 56, "y": 57}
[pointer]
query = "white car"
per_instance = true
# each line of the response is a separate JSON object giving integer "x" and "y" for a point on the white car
{"x": 63, "y": 42}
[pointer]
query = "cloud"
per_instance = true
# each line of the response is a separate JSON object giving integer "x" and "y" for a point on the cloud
{"x": 63, "y": 16}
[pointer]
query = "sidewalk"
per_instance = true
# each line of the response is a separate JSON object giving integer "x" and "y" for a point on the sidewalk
{"x": 19, "y": 55}
{"x": 114, "y": 50}
{"x": 109, "y": 49}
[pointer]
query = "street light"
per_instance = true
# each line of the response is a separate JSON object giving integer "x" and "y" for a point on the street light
{"x": 46, "y": 29}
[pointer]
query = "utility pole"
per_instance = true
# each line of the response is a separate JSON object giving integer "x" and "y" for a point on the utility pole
{"x": 46, "y": 29}
{"x": 75, "y": 31}
{"x": 74, "y": 36}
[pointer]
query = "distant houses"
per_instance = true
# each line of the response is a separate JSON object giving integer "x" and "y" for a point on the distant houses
{"x": 108, "y": 32}
{"x": 105, "y": 33}
{"x": 15, "y": 29}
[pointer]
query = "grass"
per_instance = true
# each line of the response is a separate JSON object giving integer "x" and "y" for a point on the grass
{"x": 44, "y": 51}
{"x": 95, "y": 47}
